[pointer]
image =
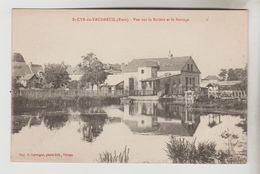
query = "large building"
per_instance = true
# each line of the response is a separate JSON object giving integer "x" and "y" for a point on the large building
{"x": 154, "y": 76}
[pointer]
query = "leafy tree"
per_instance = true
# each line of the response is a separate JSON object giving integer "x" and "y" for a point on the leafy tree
{"x": 223, "y": 74}
{"x": 57, "y": 75}
{"x": 93, "y": 70}
{"x": 74, "y": 84}
{"x": 242, "y": 76}
{"x": 232, "y": 75}
{"x": 235, "y": 75}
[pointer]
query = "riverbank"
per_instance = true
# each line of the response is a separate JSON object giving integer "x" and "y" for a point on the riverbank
{"x": 220, "y": 106}
{"x": 215, "y": 106}
{"x": 20, "y": 104}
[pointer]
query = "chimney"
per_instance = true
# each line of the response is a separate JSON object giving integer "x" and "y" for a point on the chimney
{"x": 170, "y": 54}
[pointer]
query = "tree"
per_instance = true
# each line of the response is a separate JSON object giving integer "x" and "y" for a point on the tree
{"x": 74, "y": 84}
{"x": 57, "y": 75}
{"x": 237, "y": 74}
{"x": 223, "y": 74}
{"x": 242, "y": 76}
{"x": 93, "y": 70}
{"x": 232, "y": 75}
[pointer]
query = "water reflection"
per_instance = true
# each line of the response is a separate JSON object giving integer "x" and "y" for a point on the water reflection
{"x": 214, "y": 120}
{"x": 88, "y": 131}
{"x": 18, "y": 122}
{"x": 92, "y": 125}
{"x": 160, "y": 118}
{"x": 55, "y": 121}
{"x": 140, "y": 117}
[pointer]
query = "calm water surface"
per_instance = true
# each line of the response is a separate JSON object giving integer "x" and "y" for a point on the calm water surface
{"x": 144, "y": 127}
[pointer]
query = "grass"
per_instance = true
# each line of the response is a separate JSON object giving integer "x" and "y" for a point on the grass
{"x": 108, "y": 157}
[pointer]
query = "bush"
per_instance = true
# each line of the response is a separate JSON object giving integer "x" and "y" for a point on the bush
{"x": 180, "y": 150}
{"x": 206, "y": 152}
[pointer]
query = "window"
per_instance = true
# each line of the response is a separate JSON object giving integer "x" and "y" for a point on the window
{"x": 190, "y": 80}
{"x": 144, "y": 85}
{"x": 191, "y": 67}
{"x": 188, "y": 67}
{"x": 150, "y": 84}
{"x": 187, "y": 80}
{"x": 142, "y": 71}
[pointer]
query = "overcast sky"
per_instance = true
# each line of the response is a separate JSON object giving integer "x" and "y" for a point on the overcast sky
{"x": 215, "y": 39}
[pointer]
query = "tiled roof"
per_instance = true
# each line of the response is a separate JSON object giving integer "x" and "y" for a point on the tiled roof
{"x": 165, "y": 64}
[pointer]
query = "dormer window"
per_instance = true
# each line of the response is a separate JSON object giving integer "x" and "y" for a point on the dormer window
{"x": 142, "y": 71}
{"x": 191, "y": 67}
{"x": 188, "y": 67}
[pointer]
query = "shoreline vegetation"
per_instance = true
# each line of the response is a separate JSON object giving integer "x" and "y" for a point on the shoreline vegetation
{"x": 114, "y": 157}
{"x": 214, "y": 106}
{"x": 180, "y": 150}
{"x": 220, "y": 106}
{"x": 59, "y": 103}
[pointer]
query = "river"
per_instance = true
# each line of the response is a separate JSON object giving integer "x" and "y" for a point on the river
{"x": 81, "y": 134}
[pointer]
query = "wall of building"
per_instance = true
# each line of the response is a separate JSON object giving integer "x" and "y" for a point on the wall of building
{"x": 192, "y": 82}
{"x": 173, "y": 82}
{"x": 141, "y": 74}
{"x": 190, "y": 66}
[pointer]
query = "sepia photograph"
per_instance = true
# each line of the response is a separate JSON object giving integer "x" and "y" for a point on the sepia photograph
{"x": 129, "y": 86}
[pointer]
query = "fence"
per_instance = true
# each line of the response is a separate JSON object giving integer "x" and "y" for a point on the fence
{"x": 142, "y": 92}
{"x": 233, "y": 94}
{"x": 52, "y": 93}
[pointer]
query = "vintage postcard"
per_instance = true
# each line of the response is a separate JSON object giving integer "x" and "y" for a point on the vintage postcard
{"x": 129, "y": 86}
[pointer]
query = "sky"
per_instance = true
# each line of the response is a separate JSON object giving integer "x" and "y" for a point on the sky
{"x": 215, "y": 39}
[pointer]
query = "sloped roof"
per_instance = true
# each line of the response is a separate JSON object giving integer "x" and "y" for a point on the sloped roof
{"x": 205, "y": 84}
{"x": 28, "y": 76}
{"x": 19, "y": 66}
{"x": 20, "y": 69}
{"x": 163, "y": 76}
{"x": 36, "y": 68}
{"x": 211, "y": 77}
{"x": 228, "y": 83}
{"x": 17, "y": 57}
{"x": 165, "y": 64}
{"x": 113, "y": 80}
